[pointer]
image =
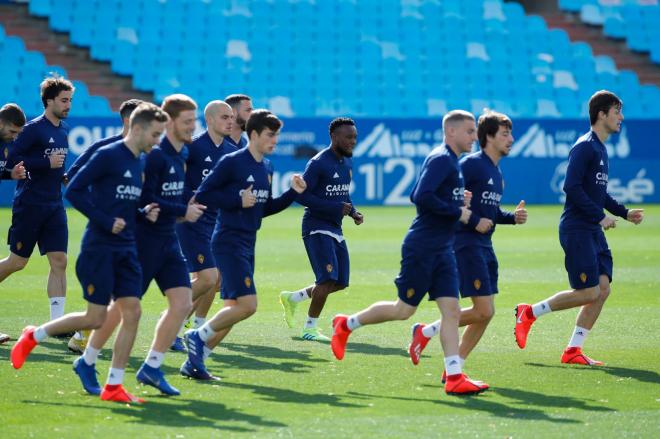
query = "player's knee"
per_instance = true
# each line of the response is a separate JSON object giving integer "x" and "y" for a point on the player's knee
{"x": 58, "y": 262}
{"x": 485, "y": 313}
{"x": 17, "y": 264}
{"x": 604, "y": 292}
{"x": 131, "y": 314}
{"x": 590, "y": 295}
{"x": 404, "y": 311}
{"x": 248, "y": 309}
{"x": 207, "y": 280}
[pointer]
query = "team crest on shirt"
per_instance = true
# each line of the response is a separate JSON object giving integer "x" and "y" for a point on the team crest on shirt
{"x": 477, "y": 284}
{"x": 350, "y": 174}
{"x": 583, "y": 277}
{"x": 410, "y": 293}
{"x": 6, "y": 152}
{"x": 90, "y": 289}
{"x": 248, "y": 282}
{"x": 270, "y": 179}
{"x": 143, "y": 177}
{"x": 328, "y": 268}
{"x": 200, "y": 258}
{"x": 19, "y": 245}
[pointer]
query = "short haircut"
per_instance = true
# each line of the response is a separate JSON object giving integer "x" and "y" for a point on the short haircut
{"x": 212, "y": 107}
{"x": 145, "y": 113}
{"x": 235, "y": 100}
{"x": 12, "y": 114}
{"x": 127, "y": 107}
{"x": 177, "y": 103}
{"x": 489, "y": 123}
{"x": 260, "y": 119}
{"x": 455, "y": 116}
{"x": 339, "y": 121}
{"x": 52, "y": 86}
{"x": 602, "y": 100}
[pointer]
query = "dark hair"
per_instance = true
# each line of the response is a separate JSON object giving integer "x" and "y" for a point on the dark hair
{"x": 145, "y": 113}
{"x": 602, "y": 100}
{"x": 455, "y": 116}
{"x": 339, "y": 121}
{"x": 260, "y": 119}
{"x": 52, "y": 86}
{"x": 174, "y": 104}
{"x": 489, "y": 123}
{"x": 235, "y": 100}
{"x": 127, "y": 107}
{"x": 13, "y": 114}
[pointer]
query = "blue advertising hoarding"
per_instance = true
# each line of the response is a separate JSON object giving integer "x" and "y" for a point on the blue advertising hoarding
{"x": 390, "y": 152}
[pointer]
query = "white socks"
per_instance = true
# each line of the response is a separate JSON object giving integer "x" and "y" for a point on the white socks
{"x": 198, "y": 322}
{"x": 538, "y": 309}
{"x": 90, "y": 355}
{"x": 205, "y": 332}
{"x": 311, "y": 322}
{"x": 154, "y": 359}
{"x": 299, "y": 296}
{"x": 453, "y": 365}
{"x": 431, "y": 330}
{"x": 115, "y": 377}
{"x": 40, "y": 334}
{"x": 207, "y": 352}
{"x": 56, "y": 307}
{"x": 353, "y": 323}
{"x": 577, "y": 340}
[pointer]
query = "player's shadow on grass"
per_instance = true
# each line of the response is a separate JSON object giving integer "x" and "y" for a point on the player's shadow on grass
{"x": 271, "y": 352}
{"x": 288, "y": 396}
{"x": 55, "y": 352}
{"x": 371, "y": 349}
{"x": 178, "y": 413}
{"x": 645, "y": 376}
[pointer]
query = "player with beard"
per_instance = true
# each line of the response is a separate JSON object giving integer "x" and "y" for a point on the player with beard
{"x": 242, "y": 108}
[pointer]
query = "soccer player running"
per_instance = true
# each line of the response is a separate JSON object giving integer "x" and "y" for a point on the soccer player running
{"x": 477, "y": 263}
{"x": 588, "y": 259}
{"x": 38, "y": 214}
{"x": 428, "y": 263}
{"x": 203, "y": 153}
{"x": 12, "y": 121}
{"x": 240, "y": 186}
{"x": 107, "y": 190}
{"x": 327, "y": 200}
{"x": 242, "y": 108}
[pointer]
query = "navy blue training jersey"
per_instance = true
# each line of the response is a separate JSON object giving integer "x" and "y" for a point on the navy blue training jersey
{"x": 38, "y": 140}
{"x": 87, "y": 154}
{"x": 484, "y": 179}
{"x": 108, "y": 186}
{"x": 241, "y": 143}
{"x": 586, "y": 186}
{"x": 203, "y": 154}
{"x": 328, "y": 179}
{"x": 438, "y": 196}
{"x": 5, "y": 147}
{"x": 223, "y": 188}
{"x": 164, "y": 176}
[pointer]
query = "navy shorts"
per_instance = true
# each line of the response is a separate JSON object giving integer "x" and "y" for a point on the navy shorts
{"x": 195, "y": 242}
{"x": 586, "y": 257}
{"x": 329, "y": 259}
{"x": 477, "y": 271}
{"x": 107, "y": 275}
{"x": 161, "y": 260}
{"x": 237, "y": 270}
{"x": 425, "y": 271}
{"x": 32, "y": 224}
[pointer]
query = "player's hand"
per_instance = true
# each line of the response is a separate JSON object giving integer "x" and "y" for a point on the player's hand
{"x": 18, "y": 173}
{"x": 56, "y": 160}
{"x": 346, "y": 209}
{"x": 247, "y": 198}
{"x": 467, "y": 198}
{"x": 298, "y": 184}
{"x": 484, "y": 225}
{"x": 465, "y": 215}
{"x": 358, "y": 218}
{"x": 194, "y": 211}
{"x": 635, "y": 216}
{"x": 520, "y": 214}
{"x": 118, "y": 226}
{"x": 608, "y": 222}
{"x": 151, "y": 211}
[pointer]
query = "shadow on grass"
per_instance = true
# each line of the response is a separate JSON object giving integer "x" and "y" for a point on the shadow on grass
{"x": 184, "y": 413}
{"x": 645, "y": 376}
{"x": 54, "y": 352}
{"x": 370, "y": 349}
{"x": 288, "y": 396}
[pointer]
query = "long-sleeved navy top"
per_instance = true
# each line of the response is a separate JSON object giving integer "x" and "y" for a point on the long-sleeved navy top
{"x": 87, "y": 154}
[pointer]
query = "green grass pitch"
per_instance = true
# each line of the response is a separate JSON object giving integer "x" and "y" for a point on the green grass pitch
{"x": 275, "y": 384}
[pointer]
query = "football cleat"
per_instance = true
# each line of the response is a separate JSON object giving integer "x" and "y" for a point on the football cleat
{"x": 340, "y": 333}
{"x": 64, "y": 336}
{"x": 418, "y": 343}
{"x": 78, "y": 345}
{"x": 87, "y": 374}
{"x": 187, "y": 370}
{"x": 313, "y": 334}
{"x": 23, "y": 347}
{"x": 574, "y": 355}
{"x": 462, "y": 385}
{"x": 117, "y": 393}
{"x": 177, "y": 345}
{"x": 4, "y": 338}
{"x": 524, "y": 320}
{"x": 195, "y": 347}
{"x": 289, "y": 307}
{"x": 153, "y": 376}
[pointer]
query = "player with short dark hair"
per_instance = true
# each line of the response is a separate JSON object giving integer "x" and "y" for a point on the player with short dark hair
{"x": 428, "y": 264}
{"x": 588, "y": 259}
{"x": 107, "y": 190}
{"x": 242, "y": 106}
{"x": 38, "y": 214}
{"x": 328, "y": 176}
{"x": 477, "y": 263}
{"x": 241, "y": 187}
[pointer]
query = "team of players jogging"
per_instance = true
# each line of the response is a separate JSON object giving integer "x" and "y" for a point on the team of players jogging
{"x": 184, "y": 211}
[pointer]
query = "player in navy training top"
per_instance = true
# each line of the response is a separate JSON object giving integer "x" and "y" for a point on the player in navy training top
{"x": 107, "y": 190}
{"x": 203, "y": 153}
{"x": 477, "y": 263}
{"x": 327, "y": 200}
{"x": 588, "y": 259}
{"x": 38, "y": 214}
{"x": 428, "y": 264}
{"x": 240, "y": 185}
{"x": 242, "y": 108}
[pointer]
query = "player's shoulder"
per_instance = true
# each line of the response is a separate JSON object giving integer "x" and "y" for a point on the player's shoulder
{"x": 200, "y": 138}
{"x": 439, "y": 155}
{"x": 471, "y": 159}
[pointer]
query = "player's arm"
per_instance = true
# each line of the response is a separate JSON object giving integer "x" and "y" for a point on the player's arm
{"x": 276, "y": 205}
{"x": 615, "y": 208}
{"x": 505, "y": 217}
{"x": 78, "y": 194}
{"x": 578, "y": 163}
{"x": 423, "y": 195}
{"x": 81, "y": 160}
{"x": 215, "y": 190}
{"x": 470, "y": 175}
{"x": 21, "y": 149}
{"x": 308, "y": 199}
{"x": 153, "y": 169}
